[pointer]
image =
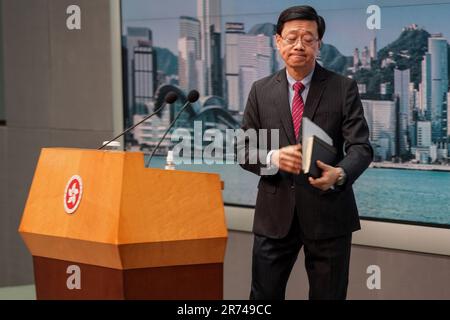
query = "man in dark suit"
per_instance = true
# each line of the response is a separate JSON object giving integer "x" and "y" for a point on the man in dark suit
{"x": 294, "y": 211}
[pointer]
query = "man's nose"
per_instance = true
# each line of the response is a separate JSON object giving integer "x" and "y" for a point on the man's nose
{"x": 299, "y": 45}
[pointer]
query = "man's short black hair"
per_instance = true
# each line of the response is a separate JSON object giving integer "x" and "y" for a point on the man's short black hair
{"x": 301, "y": 13}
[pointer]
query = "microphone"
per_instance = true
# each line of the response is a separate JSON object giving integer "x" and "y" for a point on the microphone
{"x": 192, "y": 97}
{"x": 170, "y": 98}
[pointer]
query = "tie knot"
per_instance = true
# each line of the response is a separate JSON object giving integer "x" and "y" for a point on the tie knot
{"x": 298, "y": 87}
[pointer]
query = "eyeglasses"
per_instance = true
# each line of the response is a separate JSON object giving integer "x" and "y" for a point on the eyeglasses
{"x": 307, "y": 39}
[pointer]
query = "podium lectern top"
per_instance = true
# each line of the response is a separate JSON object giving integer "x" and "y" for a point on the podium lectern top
{"x": 124, "y": 215}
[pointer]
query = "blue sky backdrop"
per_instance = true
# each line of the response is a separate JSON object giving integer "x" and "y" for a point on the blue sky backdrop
{"x": 346, "y": 19}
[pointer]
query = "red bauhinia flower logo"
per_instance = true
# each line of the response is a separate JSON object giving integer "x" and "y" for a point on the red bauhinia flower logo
{"x": 72, "y": 194}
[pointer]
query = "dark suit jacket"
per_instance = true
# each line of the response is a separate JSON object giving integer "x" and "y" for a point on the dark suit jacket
{"x": 334, "y": 104}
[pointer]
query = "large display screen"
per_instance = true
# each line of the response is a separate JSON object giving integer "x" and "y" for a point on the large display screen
{"x": 397, "y": 51}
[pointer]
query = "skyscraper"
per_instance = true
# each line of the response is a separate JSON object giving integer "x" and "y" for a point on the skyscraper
{"x": 373, "y": 49}
{"x": 256, "y": 51}
{"x": 137, "y": 37}
{"x": 209, "y": 15}
{"x": 413, "y": 114}
{"x": 249, "y": 57}
{"x": 381, "y": 119}
{"x": 189, "y": 54}
{"x": 425, "y": 86}
{"x": 144, "y": 76}
{"x": 187, "y": 72}
{"x": 247, "y": 75}
{"x": 423, "y": 133}
{"x": 356, "y": 60}
{"x": 437, "y": 47}
{"x": 448, "y": 115}
{"x": 216, "y": 63}
{"x": 232, "y": 33}
{"x": 401, "y": 90}
{"x": 190, "y": 28}
{"x": 365, "y": 58}
{"x": 269, "y": 30}
{"x": 255, "y": 62}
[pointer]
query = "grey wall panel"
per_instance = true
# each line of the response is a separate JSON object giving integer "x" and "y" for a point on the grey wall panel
{"x": 58, "y": 78}
{"x": 58, "y": 92}
{"x": 3, "y": 155}
{"x": 2, "y": 100}
{"x": 27, "y": 65}
{"x": 24, "y": 146}
{"x": 81, "y": 67}
{"x": 237, "y": 266}
{"x": 79, "y": 139}
{"x": 404, "y": 275}
{"x": 3, "y": 199}
{"x": 23, "y": 153}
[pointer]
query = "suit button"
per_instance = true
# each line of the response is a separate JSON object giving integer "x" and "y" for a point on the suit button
{"x": 292, "y": 186}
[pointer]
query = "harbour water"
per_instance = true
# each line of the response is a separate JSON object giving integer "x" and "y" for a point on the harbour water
{"x": 409, "y": 195}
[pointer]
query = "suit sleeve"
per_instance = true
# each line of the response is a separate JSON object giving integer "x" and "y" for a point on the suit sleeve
{"x": 359, "y": 152}
{"x": 249, "y": 156}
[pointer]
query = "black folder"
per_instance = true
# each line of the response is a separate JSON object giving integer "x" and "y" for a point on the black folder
{"x": 317, "y": 150}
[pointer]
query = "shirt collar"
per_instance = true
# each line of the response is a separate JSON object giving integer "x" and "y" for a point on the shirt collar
{"x": 306, "y": 80}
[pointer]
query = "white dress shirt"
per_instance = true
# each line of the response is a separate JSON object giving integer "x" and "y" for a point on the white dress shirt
{"x": 306, "y": 81}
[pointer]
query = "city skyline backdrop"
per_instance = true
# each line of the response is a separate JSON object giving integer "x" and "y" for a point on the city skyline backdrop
{"x": 403, "y": 82}
{"x": 404, "y": 85}
{"x": 163, "y": 18}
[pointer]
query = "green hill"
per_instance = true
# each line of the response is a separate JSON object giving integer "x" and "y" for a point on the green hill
{"x": 333, "y": 60}
{"x": 406, "y": 51}
{"x": 166, "y": 61}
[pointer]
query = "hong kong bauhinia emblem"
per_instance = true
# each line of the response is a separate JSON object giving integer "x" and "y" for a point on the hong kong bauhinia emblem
{"x": 72, "y": 194}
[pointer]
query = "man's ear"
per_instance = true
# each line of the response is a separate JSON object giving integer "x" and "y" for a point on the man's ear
{"x": 277, "y": 41}
{"x": 319, "y": 47}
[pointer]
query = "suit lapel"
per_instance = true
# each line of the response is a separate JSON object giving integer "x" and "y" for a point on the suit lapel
{"x": 281, "y": 101}
{"x": 316, "y": 89}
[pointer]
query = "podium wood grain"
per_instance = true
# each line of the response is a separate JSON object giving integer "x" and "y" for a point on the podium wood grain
{"x": 130, "y": 218}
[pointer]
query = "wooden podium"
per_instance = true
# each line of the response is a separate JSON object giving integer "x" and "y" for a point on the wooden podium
{"x": 135, "y": 233}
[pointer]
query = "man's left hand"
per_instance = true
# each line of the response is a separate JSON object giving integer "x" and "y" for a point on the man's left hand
{"x": 329, "y": 177}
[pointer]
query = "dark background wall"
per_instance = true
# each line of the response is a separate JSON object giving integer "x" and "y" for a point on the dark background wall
{"x": 58, "y": 91}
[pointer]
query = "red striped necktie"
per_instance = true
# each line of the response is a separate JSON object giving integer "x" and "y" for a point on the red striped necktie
{"x": 297, "y": 107}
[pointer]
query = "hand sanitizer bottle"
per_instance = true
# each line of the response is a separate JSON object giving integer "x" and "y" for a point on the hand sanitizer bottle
{"x": 170, "y": 164}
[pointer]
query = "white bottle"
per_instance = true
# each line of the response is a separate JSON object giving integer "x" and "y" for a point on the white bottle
{"x": 170, "y": 164}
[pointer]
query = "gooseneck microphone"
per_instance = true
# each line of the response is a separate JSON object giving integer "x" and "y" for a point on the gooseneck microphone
{"x": 170, "y": 98}
{"x": 192, "y": 97}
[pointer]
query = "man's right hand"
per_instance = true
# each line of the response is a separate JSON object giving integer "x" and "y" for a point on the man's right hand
{"x": 288, "y": 159}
